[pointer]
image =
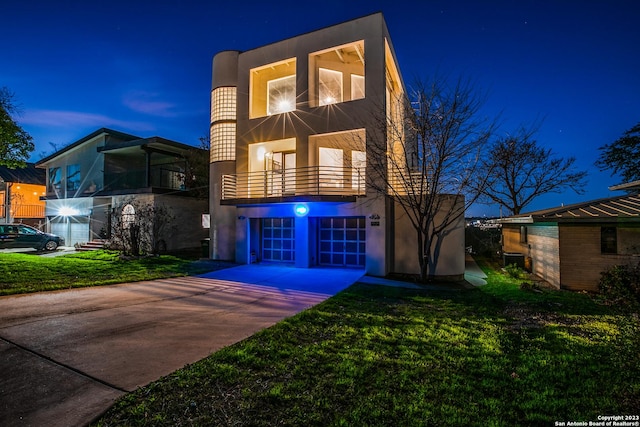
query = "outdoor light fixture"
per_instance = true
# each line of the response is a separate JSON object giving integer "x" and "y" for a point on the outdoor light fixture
{"x": 67, "y": 211}
{"x": 301, "y": 210}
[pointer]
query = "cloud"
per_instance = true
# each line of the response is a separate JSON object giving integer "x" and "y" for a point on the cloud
{"x": 144, "y": 102}
{"x": 70, "y": 119}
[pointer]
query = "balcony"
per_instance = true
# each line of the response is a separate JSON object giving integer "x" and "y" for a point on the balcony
{"x": 134, "y": 179}
{"x": 19, "y": 211}
{"x": 319, "y": 183}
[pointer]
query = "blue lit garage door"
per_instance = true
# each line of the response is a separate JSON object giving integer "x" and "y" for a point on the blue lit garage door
{"x": 342, "y": 241}
{"x": 278, "y": 239}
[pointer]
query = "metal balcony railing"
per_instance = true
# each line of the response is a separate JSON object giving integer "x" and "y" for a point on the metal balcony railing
{"x": 306, "y": 181}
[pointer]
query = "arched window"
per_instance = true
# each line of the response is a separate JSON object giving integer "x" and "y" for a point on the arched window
{"x": 128, "y": 216}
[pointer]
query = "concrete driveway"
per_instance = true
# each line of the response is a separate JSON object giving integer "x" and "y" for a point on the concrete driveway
{"x": 66, "y": 356}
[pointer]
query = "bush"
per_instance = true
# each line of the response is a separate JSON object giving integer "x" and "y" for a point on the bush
{"x": 514, "y": 271}
{"x": 620, "y": 284}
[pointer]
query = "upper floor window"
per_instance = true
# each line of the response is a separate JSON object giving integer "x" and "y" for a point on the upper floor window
{"x": 337, "y": 74}
{"x": 73, "y": 177}
{"x": 272, "y": 88}
{"x": 330, "y": 90}
{"x": 223, "y": 124}
{"x": 223, "y": 104}
{"x": 357, "y": 86}
{"x": 282, "y": 95}
{"x": 55, "y": 179}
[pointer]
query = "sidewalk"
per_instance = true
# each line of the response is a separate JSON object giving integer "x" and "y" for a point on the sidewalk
{"x": 472, "y": 273}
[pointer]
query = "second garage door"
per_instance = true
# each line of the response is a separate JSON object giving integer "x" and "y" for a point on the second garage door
{"x": 342, "y": 241}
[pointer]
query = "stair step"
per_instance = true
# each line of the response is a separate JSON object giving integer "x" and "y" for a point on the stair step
{"x": 92, "y": 245}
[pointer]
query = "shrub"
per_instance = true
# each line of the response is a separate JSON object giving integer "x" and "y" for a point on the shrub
{"x": 514, "y": 271}
{"x": 620, "y": 284}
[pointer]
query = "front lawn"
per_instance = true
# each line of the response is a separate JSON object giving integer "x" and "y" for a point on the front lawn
{"x": 23, "y": 273}
{"x": 379, "y": 356}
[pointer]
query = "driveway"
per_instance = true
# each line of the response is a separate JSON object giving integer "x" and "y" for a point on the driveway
{"x": 66, "y": 356}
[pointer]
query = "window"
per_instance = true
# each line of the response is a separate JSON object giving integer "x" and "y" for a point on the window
{"x": 359, "y": 170}
{"x": 223, "y": 142}
{"x": 331, "y": 167}
{"x": 357, "y": 86}
{"x": 26, "y": 230}
{"x": 73, "y": 177}
{"x": 282, "y": 95}
{"x": 128, "y": 216}
{"x": 523, "y": 234}
{"x": 272, "y": 88}
{"x": 330, "y": 86}
{"x": 223, "y": 124}
{"x": 609, "y": 240}
{"x": 327, "y": 68}
{"x": 55, "y": 178}
{"x": 223, "y": 104}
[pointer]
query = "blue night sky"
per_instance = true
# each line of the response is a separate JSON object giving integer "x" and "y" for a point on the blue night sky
{"x": 143, "y": 67}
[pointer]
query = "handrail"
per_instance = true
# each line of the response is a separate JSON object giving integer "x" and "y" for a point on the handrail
{"x": 19, "y": 210}
{"x": 310, "y": 180}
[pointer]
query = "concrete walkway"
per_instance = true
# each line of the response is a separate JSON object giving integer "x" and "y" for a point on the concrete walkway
{"x": 473, "y": 274}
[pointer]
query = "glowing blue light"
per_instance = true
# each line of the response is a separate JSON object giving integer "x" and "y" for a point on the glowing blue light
{"x": 301, "y": 210}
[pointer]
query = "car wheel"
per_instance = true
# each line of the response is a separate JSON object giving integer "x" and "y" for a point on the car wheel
{"x": 50, "y": 245}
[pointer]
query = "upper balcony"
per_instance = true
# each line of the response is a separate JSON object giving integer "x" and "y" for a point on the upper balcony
{"x": 312, "y": 183}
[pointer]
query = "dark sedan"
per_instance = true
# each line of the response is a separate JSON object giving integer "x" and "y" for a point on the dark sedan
{"x": 24, "y": 236}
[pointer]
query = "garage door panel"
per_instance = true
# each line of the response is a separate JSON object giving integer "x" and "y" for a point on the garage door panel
{"x": 278, "y": 239}
{"x": 342, "y": 241}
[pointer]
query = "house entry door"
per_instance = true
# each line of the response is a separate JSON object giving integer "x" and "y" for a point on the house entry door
{"x": 280, "y": 169}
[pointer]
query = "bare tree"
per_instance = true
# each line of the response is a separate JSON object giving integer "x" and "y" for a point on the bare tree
{"x": 140, "y": 227}
{"x": 519, "y": 171}
{"x": 429, "y": 160}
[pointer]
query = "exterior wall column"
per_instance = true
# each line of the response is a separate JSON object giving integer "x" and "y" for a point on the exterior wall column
{"x": 222, "y": 233}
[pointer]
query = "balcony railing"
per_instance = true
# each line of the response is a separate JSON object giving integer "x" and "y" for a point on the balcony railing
{"x": 306, "y": 181}
{"x": 23, "y": 211}
{"x": 134, "y": 179}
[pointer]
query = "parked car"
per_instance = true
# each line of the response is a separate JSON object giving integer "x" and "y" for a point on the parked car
{"x": 24, "y": 236}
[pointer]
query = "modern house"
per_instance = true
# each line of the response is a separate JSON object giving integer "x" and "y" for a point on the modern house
{"x": 292, "y": 125}
{"x": 20, "y": 192}
{"x": 570, "y": 246}
{"x": 91, "y": 177}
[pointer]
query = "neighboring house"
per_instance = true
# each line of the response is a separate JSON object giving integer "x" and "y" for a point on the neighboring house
{"x": 20, "y": 192}
{"x": 92, "y": 176}
{"x": 571, "y": 245}
{"x": 290, "y": 126}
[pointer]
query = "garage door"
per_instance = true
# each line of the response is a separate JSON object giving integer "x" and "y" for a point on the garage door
{"x": 342, "y": 241}
{"x": 72, "y": 229}
{"x": 278, "y": 239}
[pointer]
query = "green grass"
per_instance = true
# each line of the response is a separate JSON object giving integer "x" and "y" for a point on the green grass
{"x": 378, "y": 356}
{"x": 24, "y": 273}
